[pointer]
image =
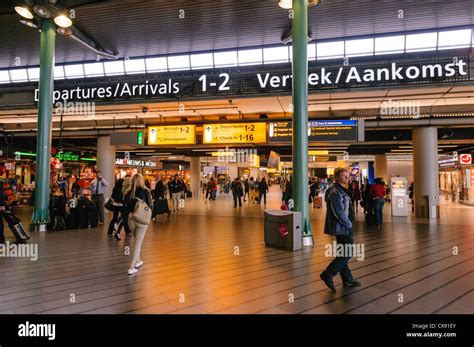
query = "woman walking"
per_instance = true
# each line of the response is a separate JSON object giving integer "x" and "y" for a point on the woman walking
{"x": 116, "y": 222}
{"x": 137, "y": 191}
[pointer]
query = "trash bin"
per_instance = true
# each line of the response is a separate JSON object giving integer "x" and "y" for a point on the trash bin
{"x": 432, "y": 202}
{"x": 282, "y": 229}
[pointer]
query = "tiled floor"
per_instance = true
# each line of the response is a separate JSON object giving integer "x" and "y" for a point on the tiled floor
{"x": 211, "y": 259}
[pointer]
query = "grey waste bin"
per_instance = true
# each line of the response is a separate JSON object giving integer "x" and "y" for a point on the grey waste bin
{"x": 283, "y": 229}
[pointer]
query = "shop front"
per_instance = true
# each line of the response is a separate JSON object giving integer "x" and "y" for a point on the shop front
{"x": 456, "y": 178}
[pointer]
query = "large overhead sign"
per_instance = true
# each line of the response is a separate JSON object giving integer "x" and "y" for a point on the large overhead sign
{"x": 318, "y": 131}
{"x": 172, "y": 135}
{"x": 235, "y": 133}
{"x": 264, "y": 79}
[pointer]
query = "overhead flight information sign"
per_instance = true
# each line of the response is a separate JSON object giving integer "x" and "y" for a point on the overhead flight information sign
{"x": 318, "y": 131}
{"x": 235, "y": 133}
{"x": 172, "y": 135}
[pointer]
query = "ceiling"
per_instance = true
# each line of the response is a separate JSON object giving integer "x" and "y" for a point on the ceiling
{"x": 154, "y": 27}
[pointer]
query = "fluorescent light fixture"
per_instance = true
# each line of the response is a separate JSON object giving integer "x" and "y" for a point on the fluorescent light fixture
{"x": 390, "y": 44}
{"x": 134, "y": 66}
{"x": 59, "y": 72}
{"x": 33, "y": 74}
{"x": 201, "y": 61}
{"x": 18, "y": 75}
{"x": 359, "y": 47}
{"x": 275, "y": 55}
{"x": 250, "y": 56}
{"x": 330, "y": 49}
{"x": 4, "y": 76}
{"x": 222, "y": 59}
{"x": 74, "y": 71}
{"x": 421, "y": 42}
{"x": 94, "y": 69}
{"x": 114, "y": 68}
{"x": 156, "y": 64}
{"x": 454, "y": 39}
{"x": 178, "y": 62}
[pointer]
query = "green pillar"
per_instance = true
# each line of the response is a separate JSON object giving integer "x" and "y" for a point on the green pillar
{"x": 45, "y": 110}
{"x": 300, "y": 115}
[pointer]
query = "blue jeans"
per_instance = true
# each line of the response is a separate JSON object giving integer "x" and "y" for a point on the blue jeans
{"x": 379, "y": 210}
{"x": 341, "y": 264}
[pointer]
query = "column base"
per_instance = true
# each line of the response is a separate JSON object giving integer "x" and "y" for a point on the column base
{"x": 424, "y": 212}
{"x": 308, "y": 240}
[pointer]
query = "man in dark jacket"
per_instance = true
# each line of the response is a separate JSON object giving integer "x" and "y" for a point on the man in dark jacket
{"x": 237, "y": 192}
{"x": 339, "y": 223}
{"x": 262, "y": 189}
{"x": 176, "y": 186}
{"x": 3, "y": 203}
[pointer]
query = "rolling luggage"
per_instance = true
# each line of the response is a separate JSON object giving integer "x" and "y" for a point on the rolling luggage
{"x": 160, "y": 206}
{"x": 16, "y": 227}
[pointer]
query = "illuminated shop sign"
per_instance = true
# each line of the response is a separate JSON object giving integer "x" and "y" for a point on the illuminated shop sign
{"x": 132, "y": 162}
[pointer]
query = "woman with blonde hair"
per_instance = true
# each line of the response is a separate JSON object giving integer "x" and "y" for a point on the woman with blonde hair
{"x": 137, "y": 191}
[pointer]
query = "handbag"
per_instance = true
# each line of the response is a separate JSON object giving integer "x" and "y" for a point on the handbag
{"x": 109, "y": 205}
{"x": 141, "y": 213}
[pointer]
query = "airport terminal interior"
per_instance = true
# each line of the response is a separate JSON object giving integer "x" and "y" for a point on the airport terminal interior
{"x": 241, "y": 117}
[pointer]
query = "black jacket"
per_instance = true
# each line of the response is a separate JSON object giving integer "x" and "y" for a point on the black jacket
{"x": 176, "y": 187}
{"x": 117, "y": 194}
{"x": 160, "y": 191}
{"x": 262, "y": 186}
{"x": 3, "y": 197}
{"x": 141, "y": 193}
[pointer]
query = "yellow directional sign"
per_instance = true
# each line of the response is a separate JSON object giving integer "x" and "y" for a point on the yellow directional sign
{"x": 235, "y": 133}
{"x": 172, "y": 135}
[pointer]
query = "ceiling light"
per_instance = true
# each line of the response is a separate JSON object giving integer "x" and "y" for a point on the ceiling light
{"x": 29, "y": 23}
{"x": 63, "y": 21}
{"x": 24, "y": 11}
{"x": 43, "y": 11}
{"x": 64, "y": 31}
{"x": 288, "y": 4}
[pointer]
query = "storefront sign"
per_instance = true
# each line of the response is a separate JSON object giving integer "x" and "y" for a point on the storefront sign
{"x": 465, "y": 159}
{"x": 172, "y": 135}
{"x": 263, "y": 79}
{"x": 448, "y": 163}
{"x": 235, "y": 133}
{"x": 318, "y": 131}
{"x": 67, "y": 156}
{"x": 132, "y": 162}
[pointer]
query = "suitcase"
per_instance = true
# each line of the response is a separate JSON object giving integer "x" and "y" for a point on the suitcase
{"x": 57, "y": 224}
{"x": 160, "y": 206}
{"x": 16, "y": 227}
{"x": 317, "y": 202}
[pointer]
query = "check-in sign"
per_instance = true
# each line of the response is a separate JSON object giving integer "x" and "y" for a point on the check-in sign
{"x": 172, "y": 135}
{"x": 235, "y": 133}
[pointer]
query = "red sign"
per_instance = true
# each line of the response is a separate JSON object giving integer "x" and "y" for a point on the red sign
{"x": 465, "y": 159}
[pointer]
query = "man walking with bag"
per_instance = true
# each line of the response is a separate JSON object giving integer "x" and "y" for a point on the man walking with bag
{"x": 339, "y": 223}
